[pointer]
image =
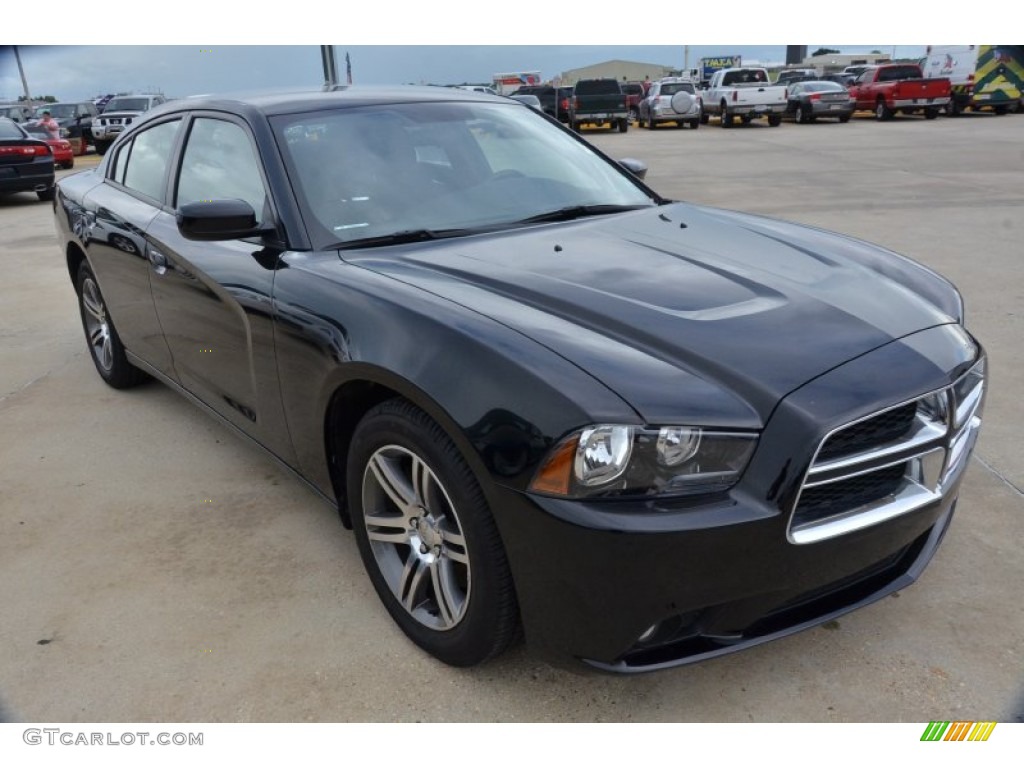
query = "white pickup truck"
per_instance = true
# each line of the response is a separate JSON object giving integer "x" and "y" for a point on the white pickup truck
{"x": 743, "y": 92}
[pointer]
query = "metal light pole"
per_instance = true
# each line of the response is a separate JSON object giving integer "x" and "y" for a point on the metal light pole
{"x": 24, "y": 82}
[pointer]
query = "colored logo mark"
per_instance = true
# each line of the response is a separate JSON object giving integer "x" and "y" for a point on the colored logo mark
{"x": 958, "y": 731}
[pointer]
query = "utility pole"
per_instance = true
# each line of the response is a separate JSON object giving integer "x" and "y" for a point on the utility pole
{"x": 24, "y": 82}
{"x": 686, "y": 60}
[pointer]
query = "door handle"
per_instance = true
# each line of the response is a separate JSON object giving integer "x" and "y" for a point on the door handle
{"x": 158, "y": 260}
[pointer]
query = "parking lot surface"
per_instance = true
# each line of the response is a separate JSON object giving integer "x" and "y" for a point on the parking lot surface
{"x": 154, "y": 567}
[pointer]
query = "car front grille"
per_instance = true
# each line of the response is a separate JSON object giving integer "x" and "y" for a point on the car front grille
{"x": 889, "y": 463}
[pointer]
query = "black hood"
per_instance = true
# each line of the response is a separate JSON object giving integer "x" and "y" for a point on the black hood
{"x": 719, "y": 318}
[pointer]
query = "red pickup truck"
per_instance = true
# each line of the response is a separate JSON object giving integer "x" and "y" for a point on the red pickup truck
{"x": 890, "y": 88}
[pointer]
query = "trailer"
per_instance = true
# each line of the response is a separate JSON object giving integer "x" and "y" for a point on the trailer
{"x": 506, "y": 83}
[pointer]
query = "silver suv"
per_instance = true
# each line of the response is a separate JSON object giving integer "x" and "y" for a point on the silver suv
{"x": 671, "y": 100}
{"x": 118, "y": 114}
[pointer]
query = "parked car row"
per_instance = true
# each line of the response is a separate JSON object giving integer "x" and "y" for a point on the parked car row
{"x": 747, "y": 93}
{"x": 85, "y": 123}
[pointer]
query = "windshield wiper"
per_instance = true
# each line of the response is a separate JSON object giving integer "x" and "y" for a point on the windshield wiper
{"x": 405, "y": 236}
{"x": 578, "y": 212}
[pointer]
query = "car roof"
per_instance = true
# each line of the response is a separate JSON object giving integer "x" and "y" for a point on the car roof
{"x": 280, "y": 102}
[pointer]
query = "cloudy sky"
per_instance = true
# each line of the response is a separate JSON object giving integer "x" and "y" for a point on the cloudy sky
{"x": 197, "y": 46}
{"x": 75, "y": 72}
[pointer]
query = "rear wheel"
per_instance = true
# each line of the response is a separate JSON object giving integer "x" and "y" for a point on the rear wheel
{"x": 623, "y": 125}
{"x": 705, "y": 118}
{"x": 1000, "y": 109}
{"x": 427, "y": 537}
{"x": 800, "y": 116}
{"x": 695, "y": 124}
{"x": 774, "y": 120}
{"x": 726, "y": 117}
{"x": 104, "y": 344}
{"x": 952, "y": 108}
{"x": 931, "y": 113}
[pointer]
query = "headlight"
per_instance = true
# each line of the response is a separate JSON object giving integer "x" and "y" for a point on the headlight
{"x": 614, "y": 460}
{"x": 967, "y": 392}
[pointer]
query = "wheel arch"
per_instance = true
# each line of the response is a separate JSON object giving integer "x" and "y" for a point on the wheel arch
{"x": 74, "y": 256}
{"x": 364, "y": 387}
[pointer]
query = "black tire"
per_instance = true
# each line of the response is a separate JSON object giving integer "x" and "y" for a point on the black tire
{"x": 68, "y": 165}
{"x": 726, "y": 117}
{"x": 46, "y": 194}
{"x": 102, "y": 147}
{"x": 952, "y": 108}
{"x": 931, "y": 113}
{"x": 465, "y": 559}
{"x": 623, "y": 125}
{"x": 774, "y": 120}
{"x": 634, "y": 115}
{"x": 651, "y": 125}
{"x": 799, "y": 115}
{"x": 705, "y": 118}
{"x": 882, "y": 112}
{"x": 104, "y": 344}
{"x": 1000, "y": 109}
{"x": 747, "y": 119}
{"x": 844, "y": 118}
{"x": 695, "y": 124}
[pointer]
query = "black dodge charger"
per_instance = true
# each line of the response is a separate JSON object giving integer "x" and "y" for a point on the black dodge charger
{"x": 545, "y": 398}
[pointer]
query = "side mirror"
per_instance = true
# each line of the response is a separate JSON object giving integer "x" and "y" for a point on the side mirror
{"x": 217, "y": 220}
{"x": 637, "y": 167}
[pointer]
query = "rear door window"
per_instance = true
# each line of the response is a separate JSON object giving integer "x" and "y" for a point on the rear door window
{"x": 142, "y": 165}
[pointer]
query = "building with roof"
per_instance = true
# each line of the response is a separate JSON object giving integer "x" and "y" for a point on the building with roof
{"x": 619, "y": 70}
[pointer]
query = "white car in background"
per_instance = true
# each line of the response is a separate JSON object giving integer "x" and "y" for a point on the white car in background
{"x": 670, "y": 100}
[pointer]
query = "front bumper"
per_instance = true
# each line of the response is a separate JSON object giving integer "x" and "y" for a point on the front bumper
{"x": 637, "y": 586}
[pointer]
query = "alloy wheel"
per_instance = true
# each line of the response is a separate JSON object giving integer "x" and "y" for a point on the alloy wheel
{"x": 416, "y": 537}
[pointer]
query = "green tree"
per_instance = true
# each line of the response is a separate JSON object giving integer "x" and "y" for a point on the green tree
{"x": 824, "y": 51}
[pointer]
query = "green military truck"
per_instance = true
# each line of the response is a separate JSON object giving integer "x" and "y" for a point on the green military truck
{"x": 599, "y": 102}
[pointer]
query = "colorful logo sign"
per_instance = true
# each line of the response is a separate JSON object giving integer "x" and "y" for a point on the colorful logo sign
{"x": 958, "y": 731}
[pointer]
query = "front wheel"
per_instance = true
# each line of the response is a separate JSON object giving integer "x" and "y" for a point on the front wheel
{"x": 102, "y": 146}
{"x": 104, "y": 344}
{"x": 427, "y": 538}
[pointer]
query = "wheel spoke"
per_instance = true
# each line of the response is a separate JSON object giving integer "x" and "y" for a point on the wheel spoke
{"x": 394, "y": 485}
{"x": 412, "y": 582}
{"x": 391, "y": 536}
{"x": 108, "y": 353}
{"x": 96, "y": 336}
{"x": 454, "y": 546}
{"x": 447, "y": 603}
{"x": 92, "y": 304}
{"x": 422, "y": 479}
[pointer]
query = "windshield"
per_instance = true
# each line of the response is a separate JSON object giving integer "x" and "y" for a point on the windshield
{"x": 58, "y": 111}
{"x": 667, "y": 89}
{"x": 370, "y": 172}
{"x": 130, "y": 105}
{"x": 821, "y": 86}
{"x": 10, "y": 130}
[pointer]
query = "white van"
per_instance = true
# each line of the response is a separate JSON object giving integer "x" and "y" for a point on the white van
{"x": 980, "y": 75}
